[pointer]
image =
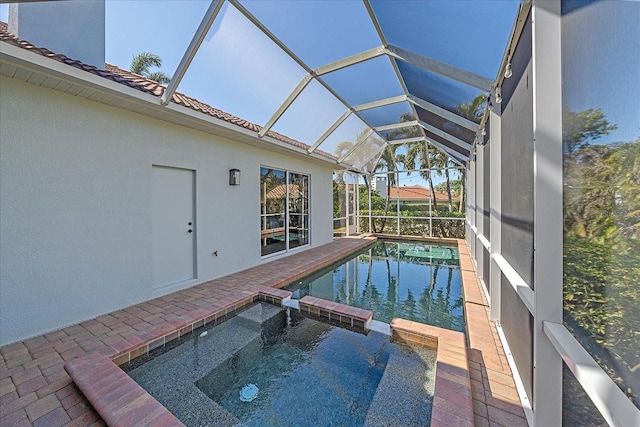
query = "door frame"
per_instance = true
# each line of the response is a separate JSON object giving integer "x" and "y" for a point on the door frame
{"x": 171, "y": 287}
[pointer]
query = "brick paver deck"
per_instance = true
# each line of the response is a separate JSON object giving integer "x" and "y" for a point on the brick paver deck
{"x": 36, "y": 390}
{"x": 495, "y": 399}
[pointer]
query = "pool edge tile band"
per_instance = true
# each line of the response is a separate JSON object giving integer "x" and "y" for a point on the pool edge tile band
{"x": 345, "y": 314}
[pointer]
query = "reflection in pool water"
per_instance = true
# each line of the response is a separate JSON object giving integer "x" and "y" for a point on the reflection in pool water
{"x": 414, "y": 281}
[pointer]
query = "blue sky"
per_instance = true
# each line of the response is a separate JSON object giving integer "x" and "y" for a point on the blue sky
{"x": 239, "y": 70}
{"x": 600, "y": 66}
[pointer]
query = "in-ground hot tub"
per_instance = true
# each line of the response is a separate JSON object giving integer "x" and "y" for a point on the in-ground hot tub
{"x": 268, "y": 366}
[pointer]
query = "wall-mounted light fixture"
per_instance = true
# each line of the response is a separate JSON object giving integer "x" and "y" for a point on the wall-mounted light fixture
{"x": 234, "y": 176}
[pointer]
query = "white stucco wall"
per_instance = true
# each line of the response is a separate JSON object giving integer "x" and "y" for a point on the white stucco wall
{"x": 75, "y": 217}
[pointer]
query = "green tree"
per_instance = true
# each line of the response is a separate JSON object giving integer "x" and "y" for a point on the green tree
{"x": 474, "y": 109}
{"x": 418, "y": 153}
{"x": 471, "y": 111}
{"x": 601, "y": 209}
{"x": 343, "y": 148}
{"x": 441, "y": 160}
{"x": 419, "y": 157}
{"x": 339, "y": 196}
{"x": 387, "y": 163}
{"x": 626, "y": 169}
{"x": 456, "y": 186}
{"x": 578, "y": 129}
{"x": 143, "y": 63}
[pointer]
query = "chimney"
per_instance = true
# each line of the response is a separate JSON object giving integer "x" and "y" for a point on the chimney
{"x": 75, "y": 28}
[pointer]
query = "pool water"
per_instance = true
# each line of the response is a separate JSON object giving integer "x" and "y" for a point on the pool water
{"x": 305, "y": 372}
{"x": 414, "y": 281}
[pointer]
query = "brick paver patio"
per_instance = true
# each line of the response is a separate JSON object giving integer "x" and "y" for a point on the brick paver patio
{"x": 495, "y": 399}
{"x": 36, "y": 390}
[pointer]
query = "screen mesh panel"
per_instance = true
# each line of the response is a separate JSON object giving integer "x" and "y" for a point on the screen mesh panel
{"x": 517, "y": 178}
{"x": 517, "y": 324}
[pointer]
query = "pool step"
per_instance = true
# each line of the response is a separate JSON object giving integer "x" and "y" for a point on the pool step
{"x": 292, "y": 303}
{"x": 380, "y": 327}
{"x": 353, "y": 318}
{"x": 405, "y": 390}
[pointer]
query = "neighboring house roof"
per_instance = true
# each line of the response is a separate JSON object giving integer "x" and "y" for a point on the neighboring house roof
{"x": 135, "y": 81}
{"x": 416, "y": 193}
{"x": 280, "y": 191}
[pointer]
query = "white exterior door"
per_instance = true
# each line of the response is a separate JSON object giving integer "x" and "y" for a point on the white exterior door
{"x": 173, "y": 226}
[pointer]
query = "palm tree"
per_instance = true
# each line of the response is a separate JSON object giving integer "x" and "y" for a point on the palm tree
{"x": 143, "y": 62}
{"x": 441, "y": 160}
{"x": 387, "y": 162}
{"x": 418, "y": 155}
{"x": 342, "y": 148}
{"x": 472, "y": 111}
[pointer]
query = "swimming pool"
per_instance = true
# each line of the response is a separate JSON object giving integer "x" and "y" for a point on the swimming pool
{"x": 412, "y": 280}
{"x": 305, "y": 373}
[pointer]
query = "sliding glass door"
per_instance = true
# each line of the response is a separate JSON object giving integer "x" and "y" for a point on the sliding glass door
{"x": 284, "y": 210}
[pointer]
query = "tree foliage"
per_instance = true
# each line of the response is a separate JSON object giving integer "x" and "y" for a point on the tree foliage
{"x": 471, "y": 111}
{"x": 143, "y": 63}
{"x": 602, "y": 245}
{"x": 578, "y": 129}
{"x": 456, "y": 187}
{"x": 474, "y": 109}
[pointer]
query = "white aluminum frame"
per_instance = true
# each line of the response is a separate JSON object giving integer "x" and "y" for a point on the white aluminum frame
{"x": 547, "y": 225}
{"x": 553, "y": 343}
{"x": 394, "y": 64}
{"x": 612, "y": 403}
{"x": 444, "y": 135}
{"x": 495, "y": 204}
{"x": 479, "y": 244}
{"x": 207, "y": 20}
{"x": 255, "y": 21}
{"x": 380, "y": 103}
{"x": 441, "y": 68}
{"x": 459, "y": 120}
{"x": 471, "y": 207}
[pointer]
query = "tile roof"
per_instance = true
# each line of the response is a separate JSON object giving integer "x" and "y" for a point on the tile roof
{"x": 416, "y": 192}
{"x": 135, "y": 81}
{"x": 280, "y": 191}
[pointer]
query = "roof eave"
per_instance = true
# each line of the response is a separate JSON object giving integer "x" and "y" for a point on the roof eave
{"x": 31, "y": 67}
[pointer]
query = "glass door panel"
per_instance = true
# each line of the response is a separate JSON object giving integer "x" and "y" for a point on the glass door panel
{"x": 273, "y": 197}
{"x": 298, "y": 210}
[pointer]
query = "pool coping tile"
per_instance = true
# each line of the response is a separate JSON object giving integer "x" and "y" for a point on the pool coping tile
{"x": 484, "y": 350}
